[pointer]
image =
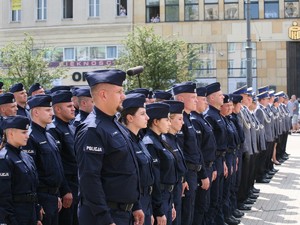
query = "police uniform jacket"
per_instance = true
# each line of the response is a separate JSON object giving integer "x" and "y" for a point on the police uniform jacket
{"x": 63, "y": 133}
{"x": 207, "y": 141}
{"x": 19, "y": 180}
{"x": 233, "y": 136}
{"x": 164, "y": 168}
{"x": 247, "y": 144}
{"x": 238, "y": 126}
{"x": 80, "y": 117}
{"x": 171, "y": 140}
{"x": 43, "y": 148}
{"x": 265, "y": 119}
{"x": 23, "y": 112}
{"x": 277, "y": 121}
{"x": 260, "y": 134}
{"x": 108, "y": 170}
{"x": 1, "y": 130}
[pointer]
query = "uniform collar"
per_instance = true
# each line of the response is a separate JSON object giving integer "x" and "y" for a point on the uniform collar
{"x": 38, "y": 127}
{"x": 13, "y": 148}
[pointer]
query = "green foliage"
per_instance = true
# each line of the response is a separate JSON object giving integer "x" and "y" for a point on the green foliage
{"x": 25, "y": 62}
{"x": 165, "y": 61}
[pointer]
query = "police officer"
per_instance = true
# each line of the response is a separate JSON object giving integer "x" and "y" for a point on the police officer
{"x": 63, "y": 132}
{"x": 8, "y": 107}
{"x": 85, "y": 105}
{"x": 215, "y": 100}
{"x": 43, "y": 148}
{"x": 164, "y": 165}
{"x": 108, "y": 171}
{"x": 208, "y": 148}
{"x": 18, "y": 176}
{"x": 21, "y": 98}
{"x": 160, "y": 95}
{"x": 187, "y": 137}
{"x": 36, "y": 89}
{"x": 176, "y": 120}
{"x": 134, "y": 116}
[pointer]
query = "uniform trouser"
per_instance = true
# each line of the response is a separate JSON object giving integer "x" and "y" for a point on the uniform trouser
{"x": 167, "y": 201}
{"x": 86, "y": 217}
{"x": 188, "y": 201}
{"x": 243, "y": 190}
{"x": 270, "y": 149}
{"x": 252, "y": 170}
{"x": 145, "y": 201}
{"x": 227, "y": 186}
{"x": 261, "y": 164}
{"x": 279, "y": 147}
{"x": 215, "y": 212}
{"x": 202, "y": 201}
{"x": 50, "y": 206}
{"x": 177, "y": 196}
{"x": 234, "y": 186}
{"x": 68, "y": 216}
{"x": 25, "y": 214}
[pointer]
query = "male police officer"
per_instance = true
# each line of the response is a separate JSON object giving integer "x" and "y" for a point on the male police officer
{"x": 21, "y": 98}
{"x": 43, "y": 148}
{"x": 36, "y": 89}
{"x": 108, "y": 171}
{"x": 63, "y": 133}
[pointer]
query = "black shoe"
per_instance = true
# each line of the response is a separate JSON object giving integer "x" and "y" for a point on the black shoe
{"x": 244, "y": 207}
{"x": 274, "y": 170}
{"x": 231, "y": 221}
{"x": 255, "y": 190}
{"x": 285, "y": 157}
{"x": 263, "y": 181}
{"x": 253, "y": 196}
{"x": 237, "y": 213}
{"x": 249, "y": 201}
{"x": 266, "y": 176}
{"x": 280, "y": 162}
{"x": 271, "y": 173}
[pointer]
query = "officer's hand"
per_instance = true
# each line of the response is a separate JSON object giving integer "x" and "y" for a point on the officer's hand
{"x": 231, "y": 170}
{"x": 139, "y": 217}
{"x": 237, "y": 164}
{"x": 185, "y": 186}
{"x": 112, "y": 224}
{"x": 42, "y": 213}
{"x": 225, "y": 170}
{"x": 161, "y": 220}
{"x": 214, "y": 175}
{"x": 205, "y": 183}
{"x": 59, "y": 204}
{"x": 173, "y": 213}
{"x": 67, "y": 200}
{"x": 152, "y": 220}
{"x": 39, "y": 223}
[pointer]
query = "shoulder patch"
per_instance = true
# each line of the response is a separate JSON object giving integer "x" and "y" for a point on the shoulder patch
{"x": 3, "y": 153}
{"x": 147, "y": 140}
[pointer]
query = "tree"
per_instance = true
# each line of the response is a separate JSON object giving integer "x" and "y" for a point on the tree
{"x": 165, "y": 61}
{"x": 26, "y": 62}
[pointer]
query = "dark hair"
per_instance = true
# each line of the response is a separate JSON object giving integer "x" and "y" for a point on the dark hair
{"x": 128, "y": 111}
{"x": 4, "y": 140}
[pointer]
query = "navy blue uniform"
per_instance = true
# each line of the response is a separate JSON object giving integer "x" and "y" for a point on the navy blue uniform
{"x": 19, "y": 180}
{"x": 63, "y": 133}
{"x": 181, "y": 171}
{"x": 108, "y": 171}
{"x": 208, "y": 145}
{"x": 23, "y": 112}
{"x": 80, "y": 117}
{"x": 144, "y": 160}
{"x": 189, "y": 144}
{"x": 219, "y": 129}
{"x": 164, "y": 168}
{"x": 43, "y": 148}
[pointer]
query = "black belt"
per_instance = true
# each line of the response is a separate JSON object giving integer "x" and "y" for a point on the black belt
{"x": 31, "y": 197}
{"x": 167, "y": 187}
{"x": 127, "y": 207}
{"x": 231, "y": 150}
{"x": 49, "y": 190}
{"x": 209, "y": 164}
{"x": 147, "y": 190}
{"x": 194, "y": 167}
{"x": 220, "y": 153}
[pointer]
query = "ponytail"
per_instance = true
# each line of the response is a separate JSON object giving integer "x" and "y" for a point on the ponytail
{"x": 4, "y": 141}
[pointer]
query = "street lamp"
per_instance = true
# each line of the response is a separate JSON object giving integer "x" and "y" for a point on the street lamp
{"x": 248, "y": 45}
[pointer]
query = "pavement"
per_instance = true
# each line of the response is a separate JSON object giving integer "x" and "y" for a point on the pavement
{"x": 279, "y": 201}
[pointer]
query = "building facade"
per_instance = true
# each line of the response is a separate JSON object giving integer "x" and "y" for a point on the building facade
{"x": 88, "y": 34}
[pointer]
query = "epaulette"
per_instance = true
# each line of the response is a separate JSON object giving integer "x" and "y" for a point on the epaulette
{"x": 147, "y": 140}
{"x": 3, "y": 153}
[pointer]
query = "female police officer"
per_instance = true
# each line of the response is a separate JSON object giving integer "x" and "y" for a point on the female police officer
{"x": 135, "y": 118}
{"x": 18, "y": 175}
{"x": 164, "y": 165}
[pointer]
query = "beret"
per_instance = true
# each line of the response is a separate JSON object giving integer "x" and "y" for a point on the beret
{"x": 61, "y": 96}
{"x": 176, "y": 107}
{"x": 212, "y": 88}
{"x": 16, "y": 87}
{"x": 60, "y": 88}
{"x": 7, "y": 98}
{"x": 113, "y": 76}
{"x": 158, "y": 110}
{"x": 201, "y": 91}
{"x": 83, "y": 92}
{"x": 235, "y": 98}
{"x": 18, "y": 122}
{"x": 162, "y": 95}
{"x": 40, "y": 101}
{"x": 134, "y": 100}
{"x": 185, "y": 87}
{"x": 34, "y": 87}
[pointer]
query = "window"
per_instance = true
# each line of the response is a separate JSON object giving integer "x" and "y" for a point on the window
{"x": 172, "y": 10}
{"x": 67, "y": 9}
{"x": 231, "y": 8}
{"x": 83, "y": 53}
{"x": 254, "y": 14}
{"x": 69, "y": 54}
{"x": 121, "y": 7}
{"x": 41, "y": 9}
{"x": 93, "y": 8}
{"x": 191, "y": 10}
{"x": 16, "y": 15}
{"x": 271, "y": 9}
{"x": 211, "y": 9}
{"x": 230, "y": 67}
{"x": 152, "y": 11}
{"x": 97, "y": 53}
{"x": 111, "y": 52}
{"x": 291, "y": 8}
{"x": 204, "y": 64}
